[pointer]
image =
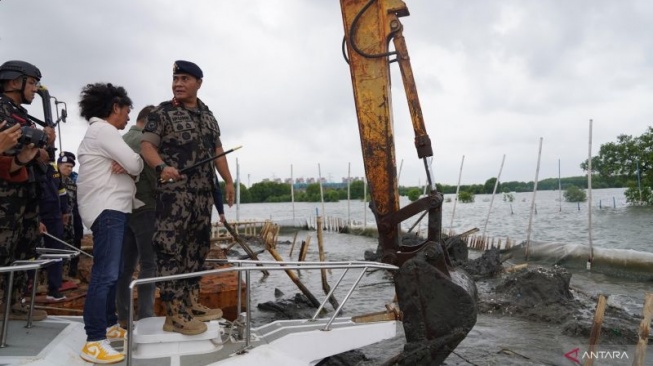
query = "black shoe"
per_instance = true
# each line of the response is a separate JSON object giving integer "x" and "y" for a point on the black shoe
{"x": 55, "y": 295}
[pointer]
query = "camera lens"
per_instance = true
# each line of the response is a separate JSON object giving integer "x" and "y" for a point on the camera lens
{"x": 32, "y": 136}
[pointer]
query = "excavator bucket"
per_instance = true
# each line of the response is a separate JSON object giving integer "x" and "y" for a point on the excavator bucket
{"x": 439, "y": 309}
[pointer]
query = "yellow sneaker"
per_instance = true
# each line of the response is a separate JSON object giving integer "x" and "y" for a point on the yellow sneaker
{"x": 101, "y": 352}
{"x": 116, "y": 333}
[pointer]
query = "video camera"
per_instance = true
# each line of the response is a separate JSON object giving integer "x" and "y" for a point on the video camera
{"x": 28, "y": 136}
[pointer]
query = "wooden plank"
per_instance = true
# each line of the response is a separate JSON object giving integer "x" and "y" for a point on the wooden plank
{"x": 644, "y": 331}
{"x": 596, "y": 329}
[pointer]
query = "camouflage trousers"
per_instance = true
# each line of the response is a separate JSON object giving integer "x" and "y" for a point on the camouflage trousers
{"x": 182, "y": 239}
{"x": 19, "y": 231}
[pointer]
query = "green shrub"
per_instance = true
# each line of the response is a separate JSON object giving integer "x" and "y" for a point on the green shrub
{"x": 465, "y": 197}
{"x": 413, "y": 194}
{"x": 633, "y": 195}
{"x": 575, "y": 194}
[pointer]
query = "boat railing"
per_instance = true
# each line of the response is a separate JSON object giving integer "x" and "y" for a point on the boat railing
{"x": 247, "y": 266}
{"x": 19, "y": 266}
{"x": 53, "y": 253}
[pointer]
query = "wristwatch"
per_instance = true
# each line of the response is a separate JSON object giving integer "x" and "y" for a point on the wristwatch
{"x": 159, "y": 168}
{"x": 18, "y": 162}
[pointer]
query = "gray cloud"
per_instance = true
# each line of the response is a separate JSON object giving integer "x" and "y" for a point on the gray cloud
{"x": 493, "y": 77}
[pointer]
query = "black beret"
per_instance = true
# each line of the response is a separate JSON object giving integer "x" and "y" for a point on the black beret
{"x": 187, "y": 67}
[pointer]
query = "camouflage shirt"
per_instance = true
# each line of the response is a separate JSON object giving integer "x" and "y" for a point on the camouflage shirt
{"x": 184, "y": 137}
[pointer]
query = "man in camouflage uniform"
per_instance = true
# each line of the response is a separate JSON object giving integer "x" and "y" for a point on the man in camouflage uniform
{"x": 19, "y": 201}
{"x": 180, "y": 133}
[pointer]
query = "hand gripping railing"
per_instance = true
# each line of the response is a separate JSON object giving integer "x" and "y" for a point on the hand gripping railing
{"x": 247, "y": 266}
{"x": 20, "y": 265}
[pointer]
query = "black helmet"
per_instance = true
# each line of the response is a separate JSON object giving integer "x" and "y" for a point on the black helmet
{"x": 13, "y": 69}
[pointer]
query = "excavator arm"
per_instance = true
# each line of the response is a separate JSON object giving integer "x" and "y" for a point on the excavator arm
{"x": 437, "y": 301}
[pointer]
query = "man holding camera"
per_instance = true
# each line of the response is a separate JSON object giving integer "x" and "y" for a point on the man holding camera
{"x": 19, "y": 200}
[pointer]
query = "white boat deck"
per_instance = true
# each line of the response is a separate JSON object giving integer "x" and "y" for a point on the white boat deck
{"x": 57, "y": 341}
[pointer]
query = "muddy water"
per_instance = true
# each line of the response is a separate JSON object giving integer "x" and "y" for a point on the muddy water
{"x": 496, "y": 339}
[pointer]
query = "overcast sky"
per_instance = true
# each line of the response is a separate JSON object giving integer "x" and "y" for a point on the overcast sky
{"x": 493, "y": 77}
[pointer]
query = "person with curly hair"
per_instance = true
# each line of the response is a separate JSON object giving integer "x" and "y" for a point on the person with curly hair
{"x": 105, "y": 189}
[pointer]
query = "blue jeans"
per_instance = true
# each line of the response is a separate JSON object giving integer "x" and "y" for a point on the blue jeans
{"x": 137, "y": 247}
{"x": 100, "y": 305}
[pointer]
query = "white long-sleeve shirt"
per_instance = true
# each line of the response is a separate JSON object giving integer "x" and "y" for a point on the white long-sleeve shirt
{"x": 99, "y": 189}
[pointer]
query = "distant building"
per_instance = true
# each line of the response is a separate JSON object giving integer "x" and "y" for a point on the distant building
{"x": 351, "y": 179}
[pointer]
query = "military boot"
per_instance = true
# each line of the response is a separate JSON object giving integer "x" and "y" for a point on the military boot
{"x": 199, "y": 311}
{"x": 178, "y": 320}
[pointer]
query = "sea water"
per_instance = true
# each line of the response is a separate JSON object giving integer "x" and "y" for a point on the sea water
{"x": 494, "y": 340}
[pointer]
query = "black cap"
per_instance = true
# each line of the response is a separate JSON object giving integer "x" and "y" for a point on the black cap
{"x": 187, "y": 67}
{"x": 13, "y": 69}
{"x": 66, "y": 157}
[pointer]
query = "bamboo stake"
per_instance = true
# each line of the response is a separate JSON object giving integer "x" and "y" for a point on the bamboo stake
{"x": 304, "y": 249}
{"x": 276, "y": 235}
{"x": 494, "y": 191}
{"x": 294, "y": 239}
{"x": 589, "y": 200}
{"x": 348, "y": 193}
{"x": 319, "y": 172}
{"x": 530, "y": 217}
{"x": 325, "y": 284}
{"x": 596, "y": 329}
{"x": 292, "y": 194}
{"x": 242, "y": 243}
{"x": 644, "y": 330}
{"x": 294, "y": 277}
{"x": 455, "y": 200}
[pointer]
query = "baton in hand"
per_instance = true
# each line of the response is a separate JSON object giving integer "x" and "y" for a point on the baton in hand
{"x": 203, "y": 161}
{"x": 208, "y": 159}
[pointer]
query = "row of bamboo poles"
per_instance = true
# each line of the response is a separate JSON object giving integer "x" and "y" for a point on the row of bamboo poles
{"x": 329, "y": 223}
{"x": 220, "y": 233}
{"x": 482, "y": 242}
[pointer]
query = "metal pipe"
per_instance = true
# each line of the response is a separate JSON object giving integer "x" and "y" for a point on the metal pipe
{"x": 5, "y": 322}
{"x": 68, "y": 245}
{"x": 130, "y": 323}
{"x": 248, "y": 298}
{"x": 317, "y": 312}
{"x": 351, "y": 290}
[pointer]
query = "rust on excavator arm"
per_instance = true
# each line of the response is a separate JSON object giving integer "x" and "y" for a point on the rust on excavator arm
{"x": 437, "y": 301}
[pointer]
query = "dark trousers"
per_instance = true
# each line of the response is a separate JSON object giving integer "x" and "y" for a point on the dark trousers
{"x": 55, "y": 271}
{"x": 77, "y": 242}
{"x": 137, "y": 248}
